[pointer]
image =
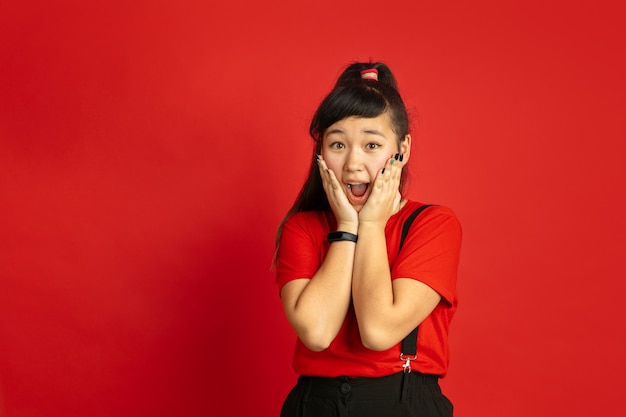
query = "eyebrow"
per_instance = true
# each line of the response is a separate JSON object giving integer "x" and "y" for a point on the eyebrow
{"x": 332, "y": 132}
{"x": 367, "y": 131}
{"x": 374, "y": 132}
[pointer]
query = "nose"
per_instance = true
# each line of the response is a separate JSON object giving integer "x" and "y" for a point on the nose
{"x": 354, "y": 161}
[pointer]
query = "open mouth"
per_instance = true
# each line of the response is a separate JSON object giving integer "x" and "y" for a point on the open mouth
{"x": 357, "y": 191}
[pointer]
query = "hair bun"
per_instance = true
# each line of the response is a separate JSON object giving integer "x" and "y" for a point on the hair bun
{"x": 370, "y": 74}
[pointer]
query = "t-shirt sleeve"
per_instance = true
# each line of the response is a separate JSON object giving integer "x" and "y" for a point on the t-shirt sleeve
{"x": 298, "y": 255}
{"x": 430, "y": 253}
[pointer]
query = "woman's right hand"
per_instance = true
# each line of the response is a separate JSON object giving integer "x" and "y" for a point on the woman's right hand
{"x": 347, "y": 217}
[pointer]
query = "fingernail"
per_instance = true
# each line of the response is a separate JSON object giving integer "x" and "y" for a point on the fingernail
{"x": 383, "y": 171}
{"x": 392, "y": 161}
{"x": 401, "y": 157}
{"x": 396, "y": 156}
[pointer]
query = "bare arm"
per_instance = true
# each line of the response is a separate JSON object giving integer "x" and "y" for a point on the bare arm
{"x": 386, "y": 310}
{"x": 317, "y": 307}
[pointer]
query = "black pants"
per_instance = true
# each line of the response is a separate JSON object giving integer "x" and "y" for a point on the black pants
{"x": 398, "y": 395}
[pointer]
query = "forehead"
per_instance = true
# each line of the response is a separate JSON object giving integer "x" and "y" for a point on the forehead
{"x": 356, "y": 124}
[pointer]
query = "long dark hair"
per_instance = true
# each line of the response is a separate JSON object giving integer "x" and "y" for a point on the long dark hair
{"x": 351, "y": 96}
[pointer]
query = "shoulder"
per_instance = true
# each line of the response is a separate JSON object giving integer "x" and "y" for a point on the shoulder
{"x": 426, "y": 213}
{"x": 311, "y": 219}
{"x": 431, "y": 248}
{"x": 312, "y": 223}
{"x": 424, "y": 224}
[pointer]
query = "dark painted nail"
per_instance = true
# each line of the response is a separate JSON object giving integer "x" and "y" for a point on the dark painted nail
{"x": 396, "y": 156}
{"x": 383, "y": 171}
{"x": 401, "y": 157}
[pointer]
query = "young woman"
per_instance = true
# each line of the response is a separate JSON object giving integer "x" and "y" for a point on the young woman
{"x": 350, "y": 292}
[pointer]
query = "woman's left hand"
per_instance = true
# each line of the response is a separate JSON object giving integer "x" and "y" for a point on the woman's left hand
{"x": 384, "y": 199}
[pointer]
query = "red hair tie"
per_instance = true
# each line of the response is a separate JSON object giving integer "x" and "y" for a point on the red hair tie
{"x": 370, "y": 74}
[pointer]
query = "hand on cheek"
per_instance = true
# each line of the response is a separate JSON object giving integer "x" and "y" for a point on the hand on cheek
{"x": 385, "y": 197}
{"x": 345, "y": 214}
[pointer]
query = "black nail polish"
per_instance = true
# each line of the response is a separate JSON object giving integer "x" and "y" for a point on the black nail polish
{"x": 401, "y": 157}
{"x": 396, "y": 156}
{"x": 383, "y": 171}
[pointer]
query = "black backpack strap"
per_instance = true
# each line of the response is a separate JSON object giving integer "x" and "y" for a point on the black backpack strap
{"x": 409, "y": 343}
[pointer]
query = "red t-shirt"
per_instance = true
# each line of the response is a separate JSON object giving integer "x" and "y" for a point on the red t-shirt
{"x": 430, "y": 254}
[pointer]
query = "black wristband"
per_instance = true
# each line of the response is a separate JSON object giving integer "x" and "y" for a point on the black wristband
{"x": 339, "y": 236}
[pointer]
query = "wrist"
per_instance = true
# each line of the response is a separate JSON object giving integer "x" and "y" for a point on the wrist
{"x": 340, "y": 236}
{"x": 371, "y": 227}
{"x": 348, "y": 227}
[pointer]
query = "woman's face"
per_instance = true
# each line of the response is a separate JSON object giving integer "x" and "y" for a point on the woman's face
{"x": 356, "y": 149}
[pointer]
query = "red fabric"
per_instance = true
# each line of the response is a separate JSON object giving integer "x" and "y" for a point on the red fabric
{"x": 430, "y": 254}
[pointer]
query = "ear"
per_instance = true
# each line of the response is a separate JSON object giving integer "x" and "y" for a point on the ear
{"x": 405, "y": 148}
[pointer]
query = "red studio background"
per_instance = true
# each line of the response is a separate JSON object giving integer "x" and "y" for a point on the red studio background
{"x": 148, "y": 151}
